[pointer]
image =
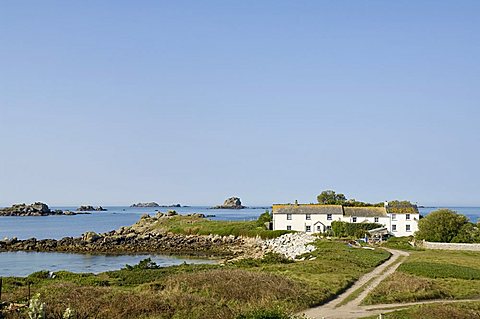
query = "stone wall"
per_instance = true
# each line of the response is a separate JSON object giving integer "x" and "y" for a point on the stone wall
{"x": 450, "y": 246}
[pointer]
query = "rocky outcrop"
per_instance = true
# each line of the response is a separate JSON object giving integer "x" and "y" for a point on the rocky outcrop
{"x": 88, "y": 208}
{"x": 151, "y": 204}
{"x": 141, "y": 238}
{"x": 290, "y": 245}
{"x": 36, "y": 209}
{"x": 230, "y": 203}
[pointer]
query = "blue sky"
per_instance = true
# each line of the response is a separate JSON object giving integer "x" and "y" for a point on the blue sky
{"x": 116, "y": 102}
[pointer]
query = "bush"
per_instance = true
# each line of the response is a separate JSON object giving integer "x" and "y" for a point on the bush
{"x": 442, "y": 225}
{"x": 264, "y": 218}
{"x": 344, "y": 229}
{"x": 146, "y": 263}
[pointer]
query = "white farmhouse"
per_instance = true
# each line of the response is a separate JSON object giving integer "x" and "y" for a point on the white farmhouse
{"x": 318, "y": 218}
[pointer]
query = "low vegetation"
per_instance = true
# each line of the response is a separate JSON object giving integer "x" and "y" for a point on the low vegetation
{"x": 357, "y": 230}
{"x": 445, "y": 225}
{"x": 431, "y": 274}
{"x": 251, "y": 289}
{"x": 194, "y": 225}
{"x": 403, "y": 243}
{"x": 467, "y": 310}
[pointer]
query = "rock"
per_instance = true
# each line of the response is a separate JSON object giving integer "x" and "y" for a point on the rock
{"x": 172, "y": 213}
{"x": 198, "y": 215}
{"x": 290, "y": 245}
{"x": 231, "y": 203}
{"x": 90, "y": 236}
{"x": 151, "y": 204}
{"x": 89, "y": 208}
{"x": 35, "y": 209}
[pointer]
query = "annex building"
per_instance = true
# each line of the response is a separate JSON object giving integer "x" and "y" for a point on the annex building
{"x": 318, "y": 218}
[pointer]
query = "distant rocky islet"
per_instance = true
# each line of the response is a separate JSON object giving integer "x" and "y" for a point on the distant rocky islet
{"x": 35, "y": 209}
{"x": 231, "y": 203}
{"x": 89, "y": 208}
{"x": 152, "y": 204}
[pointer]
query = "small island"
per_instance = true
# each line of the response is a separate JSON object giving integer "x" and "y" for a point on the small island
{"x": 89, "y": 208}
{"x": 35, "y": 209}
{"x": 231, "y": 203}
{"x": 153, "y": 204}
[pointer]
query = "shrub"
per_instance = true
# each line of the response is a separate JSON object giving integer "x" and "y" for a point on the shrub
{"x": 264, "y": 218}
{"x": 442, "y": 225}
{"x": 344, "y": 229}
{"x": 146, "y": 263}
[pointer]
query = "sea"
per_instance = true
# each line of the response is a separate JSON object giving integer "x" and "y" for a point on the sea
{"x": 57, "y": 227}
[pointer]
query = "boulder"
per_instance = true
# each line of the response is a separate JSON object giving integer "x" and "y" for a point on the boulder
{"x": 90, "y": 236}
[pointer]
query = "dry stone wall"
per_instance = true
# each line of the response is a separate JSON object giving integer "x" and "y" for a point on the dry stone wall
{"x": 450, "y": 246}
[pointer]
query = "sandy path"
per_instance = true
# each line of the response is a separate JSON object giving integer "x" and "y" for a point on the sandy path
{"x": 352, "y": 309}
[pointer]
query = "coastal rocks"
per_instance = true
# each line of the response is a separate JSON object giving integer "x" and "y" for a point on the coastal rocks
{"x": 90, "y": 237}
{"x": 151, "y": 204}
{"x": 290, "y": 245}
{"x": 142, "y": 237}
{"x": 88, "y": 208}
{"x": 35, "y": 209}
{"x": 230, "y": 203}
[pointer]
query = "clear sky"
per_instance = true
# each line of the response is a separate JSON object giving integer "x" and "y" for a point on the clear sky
{"x": 115, "y": 102}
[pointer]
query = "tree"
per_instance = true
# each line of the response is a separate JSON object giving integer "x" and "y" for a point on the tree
{"x": 329, "y": 197}
{"x": 442, "y": 225}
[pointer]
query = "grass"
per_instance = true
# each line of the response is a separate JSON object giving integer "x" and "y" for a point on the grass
{"x": 402, "y": 243}
{"x": 440, "y": 270}
{"x": 192, "y": 225}
{"x": 431, "y": 274}
{"x": 467, "y": 310}
{"x": 270, "y": 288}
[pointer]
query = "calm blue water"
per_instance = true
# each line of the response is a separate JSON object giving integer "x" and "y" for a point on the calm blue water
{"x": 57, "y": 227}
{"x": 24, "y": 263}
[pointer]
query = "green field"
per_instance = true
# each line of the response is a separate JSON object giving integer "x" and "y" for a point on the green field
{"x": 431, "y": 274}
{"x": 272, "y": 285}
{"x": 467, "y": 310}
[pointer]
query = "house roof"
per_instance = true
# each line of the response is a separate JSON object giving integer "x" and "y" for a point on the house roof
{"x": 365, "y": 211}
{"x": 402, "y": 209}
{"x": 308, "y": 209}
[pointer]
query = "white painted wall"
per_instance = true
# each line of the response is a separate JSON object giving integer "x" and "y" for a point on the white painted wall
{"x": 299, "y": 222}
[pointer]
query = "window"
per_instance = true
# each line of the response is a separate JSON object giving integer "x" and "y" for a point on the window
{"x": 308, "y": 229}
{"x": 394, "y": 216}
{"x": 289, "y": 216}
{"x": 407, "y": 216}
{"x": 329, "y": 216}
{"x": 308, "y": 216}
{"x": 376, "y": 219}
{"x": 407, "y": 227}
{"x": 354, "y": 219}
{"x": 319, "y": 228}
{"x": 394, "y": 227}
{"x": 289, "y": 227}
